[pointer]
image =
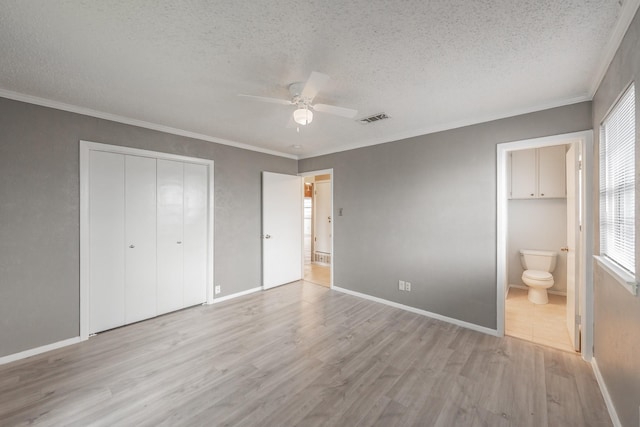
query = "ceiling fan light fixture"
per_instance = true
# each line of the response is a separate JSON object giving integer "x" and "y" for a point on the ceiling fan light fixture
{"x": 303, "y": 116}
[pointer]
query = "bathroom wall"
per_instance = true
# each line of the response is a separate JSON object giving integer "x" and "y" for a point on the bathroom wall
{"x": 537, "y": 224}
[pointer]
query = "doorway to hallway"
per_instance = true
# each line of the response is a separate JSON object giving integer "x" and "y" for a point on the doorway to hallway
{"x": 318, "y": 227}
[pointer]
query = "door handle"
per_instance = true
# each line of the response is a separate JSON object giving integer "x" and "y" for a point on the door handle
{"x": 267, "y": 236}
{"x": 565, "y": 249}
{"x": 131, "y": 246}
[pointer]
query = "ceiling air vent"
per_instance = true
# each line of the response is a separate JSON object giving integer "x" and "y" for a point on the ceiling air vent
{"x": 374, "y": 118}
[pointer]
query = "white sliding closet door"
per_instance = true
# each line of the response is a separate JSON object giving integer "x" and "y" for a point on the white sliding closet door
{"x": 170, "y": 232}
{"x": 146, "y": 231}
{"x": 195, "y": 233}
{"x": 107, "y": 243}
{"x": 140, "y": 232}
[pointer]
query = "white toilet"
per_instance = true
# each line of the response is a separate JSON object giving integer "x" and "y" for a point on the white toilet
{"x": 538, "y": 266}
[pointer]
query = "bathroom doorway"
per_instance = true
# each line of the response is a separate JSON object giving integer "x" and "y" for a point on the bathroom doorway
{"x": 540, "y": 209}
{"x": 318, "y": 227}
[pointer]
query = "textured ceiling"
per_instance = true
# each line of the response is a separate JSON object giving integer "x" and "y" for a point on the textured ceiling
{"x": 430, "y": 65}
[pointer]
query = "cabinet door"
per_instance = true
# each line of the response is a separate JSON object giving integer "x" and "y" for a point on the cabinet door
{"x": 170, "y": 235}
{"x": 140, "y": 232}
{"x": 551, "y": 172}
{"x": 195, "y": 233}
{"x": 107, "y": 244}
{"x": 523, "y": 174}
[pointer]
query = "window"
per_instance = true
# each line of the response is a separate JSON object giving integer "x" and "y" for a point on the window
{"x": 617, "y": 184}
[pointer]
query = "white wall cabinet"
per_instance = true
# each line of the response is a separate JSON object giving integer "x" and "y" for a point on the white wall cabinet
{"x": 524, "y": 174}
{"x": 538, "y": 173}
{"x": 148, "y": 226}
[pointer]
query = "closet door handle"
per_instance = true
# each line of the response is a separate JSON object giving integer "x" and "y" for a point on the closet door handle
{"x": 131, "y": 246}
{"x": 179, "y": 242}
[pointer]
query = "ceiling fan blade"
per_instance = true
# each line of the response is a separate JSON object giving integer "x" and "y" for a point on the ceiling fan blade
{"x": 337, "y": 111}
{"x": 313, "y": 85}
{"x": 265, "y": 99}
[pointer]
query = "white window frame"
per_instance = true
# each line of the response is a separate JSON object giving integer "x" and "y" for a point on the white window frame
{"x": 617, "y": 169}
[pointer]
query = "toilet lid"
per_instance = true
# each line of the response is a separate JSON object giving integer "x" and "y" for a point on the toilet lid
{"x": 538, "y": 275}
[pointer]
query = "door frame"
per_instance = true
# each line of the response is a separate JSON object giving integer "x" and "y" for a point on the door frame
{"x": 85, "y": 148}
{"x": 333, "y": 216}
{"x": 584, "y": 141}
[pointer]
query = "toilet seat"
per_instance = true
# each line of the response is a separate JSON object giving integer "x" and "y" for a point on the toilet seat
{"x": 537, "y": 275}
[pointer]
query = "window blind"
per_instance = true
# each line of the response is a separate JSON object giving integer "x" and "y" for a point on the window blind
{"x": 617, "y": 183}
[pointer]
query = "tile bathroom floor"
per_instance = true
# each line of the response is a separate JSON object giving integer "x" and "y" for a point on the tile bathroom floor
{"x": 540, "y": 323}
{"x": 318, "y": 274}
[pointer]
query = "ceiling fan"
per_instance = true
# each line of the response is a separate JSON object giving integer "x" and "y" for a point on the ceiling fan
{"x": 302, "y": 94}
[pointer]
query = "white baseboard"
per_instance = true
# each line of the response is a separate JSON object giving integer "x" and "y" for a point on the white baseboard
{"x": 550, "y": 291}
{"x": 236, "y": 295}
{"x": 605, "y": 394}
{"x": 34, "y": 351}
{"x": 38, "y": 350}
{"x": 420, "y": 311}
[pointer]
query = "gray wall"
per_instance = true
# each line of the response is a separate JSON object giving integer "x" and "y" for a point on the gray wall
{"x": 39, "y": 215}
{"x": 424, "y": 210}
{"x": 537, "y": 224}
{"x": 617, "y": 312}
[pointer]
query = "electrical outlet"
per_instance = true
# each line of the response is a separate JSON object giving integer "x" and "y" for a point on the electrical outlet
{"x": 407, "y": 286}
{"x": 217, "y": 290}
{"x": 401, "y": 285}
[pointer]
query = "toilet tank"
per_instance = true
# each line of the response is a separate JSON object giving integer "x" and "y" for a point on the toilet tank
{"x": 538, "y": 260}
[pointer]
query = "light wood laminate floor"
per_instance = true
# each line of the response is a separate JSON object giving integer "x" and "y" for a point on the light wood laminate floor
{"x": 541, "y": 323}
{"x": 300, "y": 354}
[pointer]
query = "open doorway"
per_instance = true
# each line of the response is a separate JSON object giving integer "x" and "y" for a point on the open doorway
{"x": 538, "y": 260}
{"x": 544, "y": 289}
{"x": 318, "y": 227}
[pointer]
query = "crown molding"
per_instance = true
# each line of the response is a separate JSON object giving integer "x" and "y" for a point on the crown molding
{"x": 448, "y": 126}
{"x": 16, "y": 96}
{"x": 627, "y": 13}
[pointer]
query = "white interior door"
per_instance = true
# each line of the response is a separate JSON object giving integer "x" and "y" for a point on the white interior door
{"x": 573, "y": 245}
{"x": 195, "y": 234}
{"x": 107, "y": 243}
{"x": 170, "y": 235}
{"x": 281, "y": 229}
{"x": 140, "y": 232}
{"x": 323, "y": 218}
